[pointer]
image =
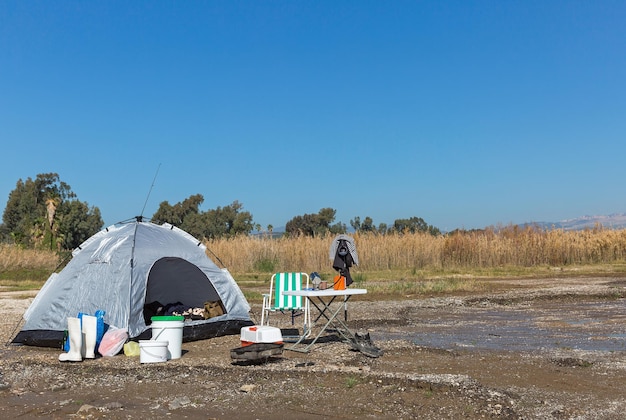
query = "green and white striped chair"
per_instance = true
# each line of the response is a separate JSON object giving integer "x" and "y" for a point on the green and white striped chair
{"x": 275, "y": 300}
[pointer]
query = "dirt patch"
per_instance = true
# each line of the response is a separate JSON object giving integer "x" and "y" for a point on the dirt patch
{"x": 548, "y": 349}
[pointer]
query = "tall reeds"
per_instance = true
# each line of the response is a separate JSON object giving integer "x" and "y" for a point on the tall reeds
{"x": 511, "y": 246}
{"x": 15, "y": 258}
{"x": 508, "y": 247}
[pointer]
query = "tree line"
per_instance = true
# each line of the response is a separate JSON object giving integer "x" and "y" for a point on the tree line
{"x": 45, "y": 213}
{"x": 322, "y": 223}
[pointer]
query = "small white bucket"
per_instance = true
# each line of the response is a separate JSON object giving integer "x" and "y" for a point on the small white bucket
{"x": 152, "y": 351}
{"x": 169, "y": 328}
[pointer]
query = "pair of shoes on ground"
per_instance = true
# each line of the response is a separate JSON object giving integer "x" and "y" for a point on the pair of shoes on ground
{"x": 82, "y": 338}
{"x": 363, "y": 343}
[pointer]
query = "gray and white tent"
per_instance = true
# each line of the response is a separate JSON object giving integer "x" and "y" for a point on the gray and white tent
{"x": 125, "y": 268}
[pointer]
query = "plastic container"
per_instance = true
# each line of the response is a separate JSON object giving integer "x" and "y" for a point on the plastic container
{"x": 340, "y": 283}
{"x": 151, "y": 351}
{"x": 170, "y": 329}
{"x": 131, "y": 349}
{"x": 260, "y": 334}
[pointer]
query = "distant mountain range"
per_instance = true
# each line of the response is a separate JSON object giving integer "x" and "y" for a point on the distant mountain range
{"x": 612, "y": 221}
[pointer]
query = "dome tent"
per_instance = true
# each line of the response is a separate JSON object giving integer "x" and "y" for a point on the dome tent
{"x": 122, "y": 270}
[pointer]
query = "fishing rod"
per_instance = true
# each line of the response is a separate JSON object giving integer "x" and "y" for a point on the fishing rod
{"x": 149, "y": 191}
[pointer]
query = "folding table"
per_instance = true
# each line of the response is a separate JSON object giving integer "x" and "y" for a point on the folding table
{"x": 323, "y": 300}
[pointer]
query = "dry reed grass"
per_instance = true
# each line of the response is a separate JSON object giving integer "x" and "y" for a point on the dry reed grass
{"x": 15, "y": 258}
{"x": 397, "y": 260}
{"x": 509, "y": 247}
{"x": 25, "y": 269}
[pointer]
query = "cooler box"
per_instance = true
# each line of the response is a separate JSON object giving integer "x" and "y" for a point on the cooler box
{"x": 260, "y": 334}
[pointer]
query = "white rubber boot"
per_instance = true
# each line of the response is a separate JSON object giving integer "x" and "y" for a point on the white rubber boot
{"x": 76, "y": 342}
{"x": 90, "y": 327}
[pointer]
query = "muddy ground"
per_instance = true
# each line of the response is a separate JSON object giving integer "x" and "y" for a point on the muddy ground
{"x": 533, "y": 349}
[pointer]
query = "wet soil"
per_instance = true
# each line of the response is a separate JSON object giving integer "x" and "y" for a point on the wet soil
{"x": 533, "y": 349}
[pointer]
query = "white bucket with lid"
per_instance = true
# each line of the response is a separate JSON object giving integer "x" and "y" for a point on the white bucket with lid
{"x": 151, "y": 351}
{"x": 170, "y": 329}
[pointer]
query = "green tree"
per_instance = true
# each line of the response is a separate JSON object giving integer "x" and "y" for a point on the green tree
{"x": 177, "y": 213}
{"x": 315, "y": 224}
{"x": 338, "y": 228}
{"x": 414, "y": 225}
{"x": 356, "y": 223}
{"x": 225, "y": 221}
{"x": 301, "y": 225}
{"x": 228, "y": 221}
{"x": 366, "y": 226}
{"x": 39, "y": 211}
{"x": 77, "y": 223}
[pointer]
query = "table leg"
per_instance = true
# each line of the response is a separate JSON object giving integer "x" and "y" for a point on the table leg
{"x": 325, "y": 306}
{"x": 334, "y": 320}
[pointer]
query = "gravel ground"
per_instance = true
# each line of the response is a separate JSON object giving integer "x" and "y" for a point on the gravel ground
{"x": 536, "y": 349}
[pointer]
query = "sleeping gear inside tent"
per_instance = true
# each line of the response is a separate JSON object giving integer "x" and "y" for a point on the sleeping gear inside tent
{"x": 131, "y": 271}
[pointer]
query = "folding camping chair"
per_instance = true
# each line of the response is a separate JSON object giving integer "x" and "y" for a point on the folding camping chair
{"x": 276, "y": 301}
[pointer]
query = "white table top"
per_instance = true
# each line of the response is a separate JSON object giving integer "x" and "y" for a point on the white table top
{"x": 325, "y": 292}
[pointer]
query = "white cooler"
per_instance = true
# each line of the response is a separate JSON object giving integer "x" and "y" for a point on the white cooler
{"x": 260, "y": 334}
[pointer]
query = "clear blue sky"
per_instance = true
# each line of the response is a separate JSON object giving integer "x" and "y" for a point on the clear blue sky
{"x": 464, "y": 113}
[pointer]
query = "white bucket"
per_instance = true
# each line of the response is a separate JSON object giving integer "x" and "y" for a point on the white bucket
{"x": 166, "y": 328}
{"x": 152, "y": 351}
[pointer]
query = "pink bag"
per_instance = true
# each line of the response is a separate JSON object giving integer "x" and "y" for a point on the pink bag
{"x": 113, "y": 342}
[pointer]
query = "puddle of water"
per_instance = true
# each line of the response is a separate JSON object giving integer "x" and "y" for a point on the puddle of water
{"x": 590, "y": 326}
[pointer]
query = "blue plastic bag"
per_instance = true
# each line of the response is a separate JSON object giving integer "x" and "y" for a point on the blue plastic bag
{"x": 101, "y": 328}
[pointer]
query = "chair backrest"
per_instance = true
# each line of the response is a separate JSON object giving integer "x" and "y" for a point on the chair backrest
{"x": 288, "y": 281}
